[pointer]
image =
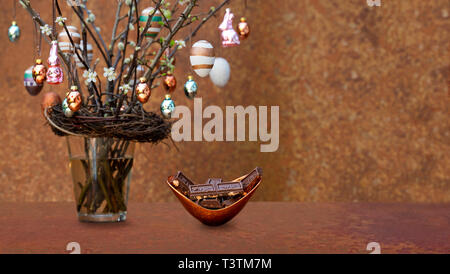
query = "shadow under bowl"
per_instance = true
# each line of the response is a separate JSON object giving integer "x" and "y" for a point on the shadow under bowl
{"x": 214, "y": 217}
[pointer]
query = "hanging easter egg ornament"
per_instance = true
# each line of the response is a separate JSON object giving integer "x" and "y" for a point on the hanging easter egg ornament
{"x": 64, "y": 41}
{"x": 243, "y": 29}
{"x": 39, "y": 72}
{"x": 220, "y": 73}
{"x": 90, "y": 54}
{"x": 170, "y": 82}
{"x": 143, "y": 91}
{"x": 74, "y": 99}
{"x": 166, "y": 62}
{"x": 167, "y": 107}
{"x": 66, "y": 109}
{"x": 202, "y": 57}
{"x": 55, "y": 75}
{"x": 14, "y": 32}
{"x": 229, "y": 36}
{"x": 140, "y": 71}
{"x": 49, "y": 100}
{"x": 155, "y": 25}
{"x": 190, "y": 88}
{"x": 31, "y": 86}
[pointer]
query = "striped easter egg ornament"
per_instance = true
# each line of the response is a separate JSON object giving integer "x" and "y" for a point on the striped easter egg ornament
{"x": 155, "y": 26}
{"x": 64, "y": 42}
{"x": 202, "y": 57}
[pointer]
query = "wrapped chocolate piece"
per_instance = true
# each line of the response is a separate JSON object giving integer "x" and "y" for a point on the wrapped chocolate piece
{"x": 227, "y": 189}
{"x": 181, "y": 182}
{"x": 211, "y": 203}
{"x": 251, "y": 179}
{"x": 214, "y": 181}
{"x": 231, "y": 200}
{"x": 197, "y": 192}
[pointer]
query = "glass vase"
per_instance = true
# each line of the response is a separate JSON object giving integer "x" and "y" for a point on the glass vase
{"x": 101, "y": 173}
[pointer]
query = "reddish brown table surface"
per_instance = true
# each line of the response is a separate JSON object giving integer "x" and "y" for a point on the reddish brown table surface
{"x": 262, "y": 227}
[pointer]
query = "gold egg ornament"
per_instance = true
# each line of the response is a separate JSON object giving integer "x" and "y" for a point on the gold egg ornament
{"x": 243, "y": 29}
{"x": 39, "y": 72}
{"x": 143, "y": 91}
{"x": 74, "y": 99}
{"x": 170, "y": 82}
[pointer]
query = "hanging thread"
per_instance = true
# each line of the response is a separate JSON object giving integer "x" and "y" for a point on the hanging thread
{"x": 14, "y": 10}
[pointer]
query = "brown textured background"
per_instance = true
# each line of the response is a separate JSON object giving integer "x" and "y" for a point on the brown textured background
{"x": 363, "y": 95}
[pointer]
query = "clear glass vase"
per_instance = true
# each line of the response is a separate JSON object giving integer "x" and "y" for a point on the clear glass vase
{"x": 101, "y": 173}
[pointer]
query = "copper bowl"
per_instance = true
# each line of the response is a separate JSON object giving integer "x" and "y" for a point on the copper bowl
{"x": 214, "y": 217}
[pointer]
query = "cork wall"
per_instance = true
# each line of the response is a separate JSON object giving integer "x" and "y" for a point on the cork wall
{"x": 363, "y": 100}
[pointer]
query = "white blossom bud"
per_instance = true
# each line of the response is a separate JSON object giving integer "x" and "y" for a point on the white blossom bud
{"x": 120, "y": 46}
{"x": 91, "y": 18}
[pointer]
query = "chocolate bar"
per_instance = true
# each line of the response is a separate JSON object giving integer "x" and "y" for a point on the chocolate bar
{"x": 182, "y": 183}
{"x": 231, "y": 200}
{"x": 229, "y": 189}
{"x": 211, "y": 203}
{"x": 198, "y": 192}
{"x": 251, "y": 179}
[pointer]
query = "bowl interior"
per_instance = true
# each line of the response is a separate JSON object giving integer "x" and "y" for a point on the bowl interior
{"x": 214, "y": 216}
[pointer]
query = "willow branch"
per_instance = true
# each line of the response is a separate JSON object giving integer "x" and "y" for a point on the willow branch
{"x": 168, "y": 38}
{"x": 211, "y": 13}
{"x": 108, "y": 63}
{"x": 114, "y": 32}
{"x": 97, "y": 32}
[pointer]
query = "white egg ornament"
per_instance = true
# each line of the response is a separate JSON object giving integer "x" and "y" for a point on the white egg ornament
{"x": 90, "y": 54}
{"x": 202, "y": 58}
{"x": 220, "y": 73}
